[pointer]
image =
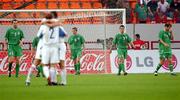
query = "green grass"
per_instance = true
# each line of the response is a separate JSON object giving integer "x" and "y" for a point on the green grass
{"x": 94, "y": 87}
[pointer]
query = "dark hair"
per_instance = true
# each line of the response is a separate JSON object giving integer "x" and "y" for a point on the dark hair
{"x": 54, "y": 14}
{"x": 75, "y": 28}
{"x": 14, "y": 20}
{"x": 121, "y": 26}
{"x": 167, "y": 25}
{"x": 49, "y": 16}
{"x": 137, "y": 35}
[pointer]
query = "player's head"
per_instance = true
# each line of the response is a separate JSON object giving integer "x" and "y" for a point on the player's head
{"x": 74, "y": 30}
{"x": 48, "y": 15}
{"x": 137, "y": 36}
{"x": 121, "y": 28}
{"x": 167, "y": 26}
{"x": 54, "y": 14}
{"x": 14, "y": 22}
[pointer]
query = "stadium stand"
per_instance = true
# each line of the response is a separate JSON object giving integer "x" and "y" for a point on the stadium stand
{"x": 133, "y": 15}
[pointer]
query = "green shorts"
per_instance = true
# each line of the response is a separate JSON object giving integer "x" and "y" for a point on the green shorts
{"x": 75, "y": 53}
{"x": 164, "y": 55}
{"x": 122, "y": 53}
{"x": 14, "y": 50}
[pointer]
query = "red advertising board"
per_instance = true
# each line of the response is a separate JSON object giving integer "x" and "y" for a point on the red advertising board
{"x": 92, "y": 61}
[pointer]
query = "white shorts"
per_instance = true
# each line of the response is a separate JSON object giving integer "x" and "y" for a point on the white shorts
{"x": 50, "y": 55}
{"x": 38, "y": 52}
{"x": 62, "y": 51}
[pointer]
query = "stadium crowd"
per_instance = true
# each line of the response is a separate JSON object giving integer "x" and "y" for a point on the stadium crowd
{"x": 159, "y": 11}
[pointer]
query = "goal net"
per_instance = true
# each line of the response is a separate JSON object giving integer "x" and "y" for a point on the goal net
{"x": 98, "y": 26}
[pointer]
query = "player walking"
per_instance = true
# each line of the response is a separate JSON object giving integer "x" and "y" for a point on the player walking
{"x": 165, "y": 51}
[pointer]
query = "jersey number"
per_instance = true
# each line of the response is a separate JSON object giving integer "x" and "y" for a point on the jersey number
{"x": 52, "y": 31}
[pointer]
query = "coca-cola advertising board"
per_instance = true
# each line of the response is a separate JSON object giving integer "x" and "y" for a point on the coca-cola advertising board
{"x": 92, "y": 61}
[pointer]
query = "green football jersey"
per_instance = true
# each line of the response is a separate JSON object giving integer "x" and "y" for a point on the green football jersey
{"x": 35, "y": 42}
{"x": 14, "y": 36}
{"x": 76, "y": 41}
{"x": 122, "y": 40}
{"x": 166, "y": 37}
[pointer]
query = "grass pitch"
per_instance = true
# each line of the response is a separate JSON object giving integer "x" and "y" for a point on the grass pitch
{"x": 94, "y": 87}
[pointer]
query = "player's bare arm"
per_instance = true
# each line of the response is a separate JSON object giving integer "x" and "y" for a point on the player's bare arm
{"x": 21, "y": 42}
{"x": 131, "y": 45}
{"x": 172, "y": 35}
{"x": 53, "y": 23}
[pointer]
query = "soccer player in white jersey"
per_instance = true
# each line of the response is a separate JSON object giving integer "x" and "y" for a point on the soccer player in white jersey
{"x": 50, "y": 38}
{"x": 37, "y": 59}
{"x": 62, "y": 47}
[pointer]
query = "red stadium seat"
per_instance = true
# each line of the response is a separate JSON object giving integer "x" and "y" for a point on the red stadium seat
{"x": 31, "y": 6}
{"x": 75, "y": 5}
{"x": 41, "y": 5}
{"x": 97, "y": 5}
{"x": 6, "y": 0}
{"x": 86, "y": 5}
{"x": 64, "y": 5}
{"x": 19, "y": 0}
{"x": 52, "y": 5}
{"x": 7, "y": 6}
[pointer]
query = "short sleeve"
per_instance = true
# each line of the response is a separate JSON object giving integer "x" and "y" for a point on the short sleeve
{"x": 160, "y": 35}
{"x": 129, "y": 39}
{"x": 82, "y": 40}
{"x": 115, "y": 40}
{"x": 7, "y": 34}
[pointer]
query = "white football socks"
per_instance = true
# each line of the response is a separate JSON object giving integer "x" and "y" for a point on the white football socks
{"x": 28, "y": 79}
{"x": 53, "y": 75}
{"x": 63, "y": 76}
{"x": 46, "y": 71}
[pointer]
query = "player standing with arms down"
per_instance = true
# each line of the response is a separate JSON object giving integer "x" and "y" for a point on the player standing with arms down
{"x": 76, "y": 42}
{"x": 14, "y": 37}
{"x": 122, "y": 40}
{"x": 165, "y": 51}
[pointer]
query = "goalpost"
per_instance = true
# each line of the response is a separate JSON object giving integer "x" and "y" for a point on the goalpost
{"x": 98, "y": 26}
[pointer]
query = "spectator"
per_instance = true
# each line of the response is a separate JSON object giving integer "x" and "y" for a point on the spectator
{"x": 111, "y": 4}
{"x": 169, "y": 1}
{"x": 141, "y": 12}
{"x": 175, "y": 9}
{"x": 163, "y": 7}
{"x": 121, "y": 4}
{"x": 175, "y": 6}
{"x": 146, "y": 1}
{"x": 152, "y": 8}
{"x": 129, "y": 12}
{"x": 104, "y": 3}
{"x": 138, "y": 43}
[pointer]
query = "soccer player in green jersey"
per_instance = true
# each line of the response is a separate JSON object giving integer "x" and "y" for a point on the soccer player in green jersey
{"x": 165, "y": 51}
{"x": 122, "y": 40}
{"x": 14, "y": 38}
{"x": 76, "y": 42}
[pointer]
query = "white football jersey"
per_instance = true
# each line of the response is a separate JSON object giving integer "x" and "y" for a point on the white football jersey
{"x": 49, "y": 35}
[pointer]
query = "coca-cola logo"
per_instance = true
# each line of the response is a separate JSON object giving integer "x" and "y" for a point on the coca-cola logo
{"x": 128, "y": 62}
{"x": 174, "y": 62}
{"x": 89, "y": 62}
{"x": 25, "y": 62}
